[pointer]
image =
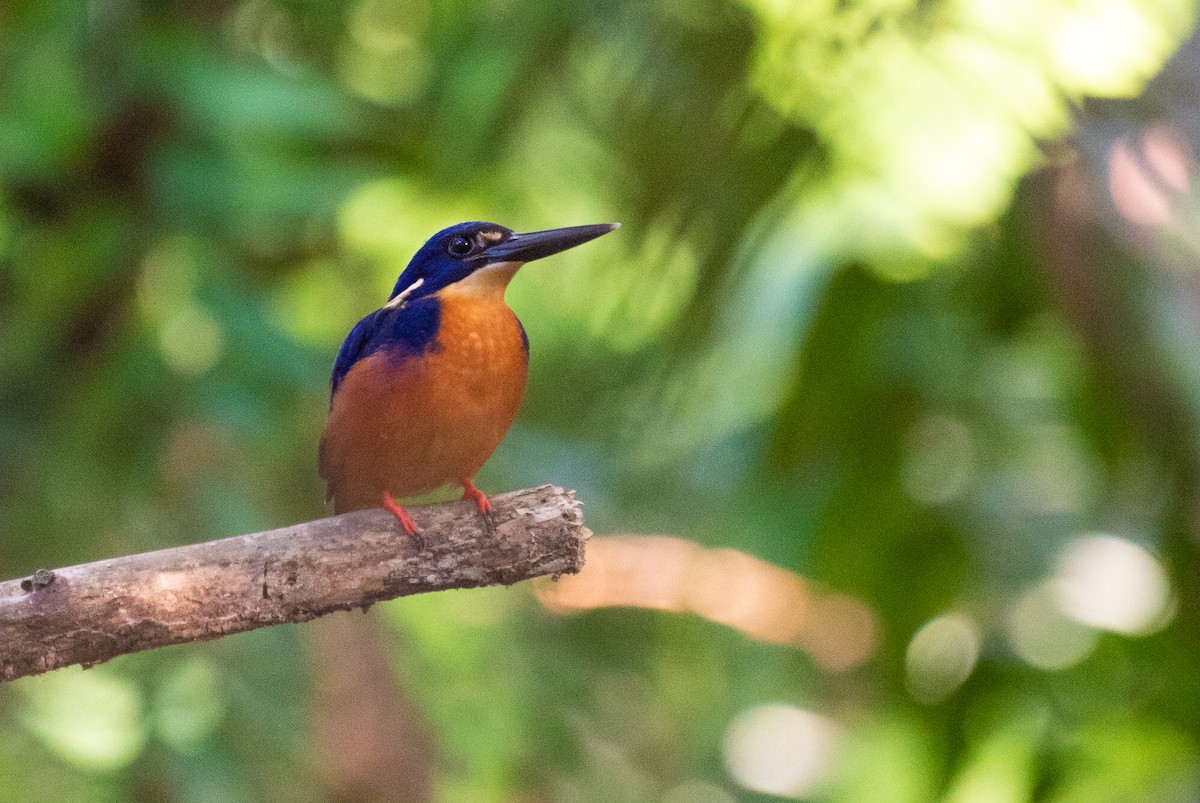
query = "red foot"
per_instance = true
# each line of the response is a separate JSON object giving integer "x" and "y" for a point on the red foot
{"x": 394, "y": 508}
{"x": 471, "y": 492}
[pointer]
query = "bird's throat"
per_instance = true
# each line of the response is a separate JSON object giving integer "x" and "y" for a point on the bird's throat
{"x": 486, "y": 283}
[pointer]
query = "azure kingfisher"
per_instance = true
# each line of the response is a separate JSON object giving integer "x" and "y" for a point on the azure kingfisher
{"x": 425, "y": 387}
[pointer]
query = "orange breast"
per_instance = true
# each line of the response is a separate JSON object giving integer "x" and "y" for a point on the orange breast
{"x": 412, "y": 424}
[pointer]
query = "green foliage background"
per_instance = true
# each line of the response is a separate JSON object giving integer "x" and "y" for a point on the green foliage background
{"x": 873, "y": 317}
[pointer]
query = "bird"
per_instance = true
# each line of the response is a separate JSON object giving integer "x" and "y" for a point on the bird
{"x": 424, "y": 388}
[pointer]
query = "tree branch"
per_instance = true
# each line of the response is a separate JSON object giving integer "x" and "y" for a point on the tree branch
{"x": 90, "y": 613}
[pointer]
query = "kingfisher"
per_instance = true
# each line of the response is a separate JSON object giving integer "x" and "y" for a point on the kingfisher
{"x": 425, "y": 387}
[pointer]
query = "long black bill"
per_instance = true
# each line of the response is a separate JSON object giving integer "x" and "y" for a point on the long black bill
{"x": 537, "y": 244}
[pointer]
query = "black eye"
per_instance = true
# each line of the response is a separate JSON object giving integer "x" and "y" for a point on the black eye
{"x": 460, "y": 246}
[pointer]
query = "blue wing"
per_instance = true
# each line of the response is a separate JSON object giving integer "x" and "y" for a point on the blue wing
{"x": 353, "y": 349}
{"x": 412, "y": 329}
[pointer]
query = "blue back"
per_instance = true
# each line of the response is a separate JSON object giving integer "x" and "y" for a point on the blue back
{"x": 410, "y": 330}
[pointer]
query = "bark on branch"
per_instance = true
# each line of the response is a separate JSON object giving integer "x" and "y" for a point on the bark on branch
{"x": 89, "y": 613}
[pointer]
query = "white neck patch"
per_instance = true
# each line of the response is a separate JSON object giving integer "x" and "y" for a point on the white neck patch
{"x": 403, "y": 295}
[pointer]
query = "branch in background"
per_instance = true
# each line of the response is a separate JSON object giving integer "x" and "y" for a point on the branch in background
{"x": 762, "y": 601}
{"x": 90, "y": 613}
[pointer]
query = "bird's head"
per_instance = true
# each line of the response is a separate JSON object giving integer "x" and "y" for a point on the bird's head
{"x": 482, "y": 256}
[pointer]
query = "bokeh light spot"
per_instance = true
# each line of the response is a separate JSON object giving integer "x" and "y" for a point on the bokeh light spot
{"x": 1170, "y": 155}
{"x": 1112, "y": 584}
{"x": 781, "y": 749}
{"x": 189, "y": 705}
{"x": 374, "y": 218}
{"x": 1043, "y": 636}
{"x": 388, "y": 78}
{"x": 842, "y": 632}
{"x": 90, "y": 719}
{"x": 941, "y": 656}
{"x": 1145, "y": 180}
{"x": 940, "y": 464}
{"x": 387, "y": 220}
{"x": 388, "y": 25}
{"x": 384, "y": 60}
{"x": 190, "y": 340}
{"x": 1105, "y": 48}
{"x": 314, "y": 303}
